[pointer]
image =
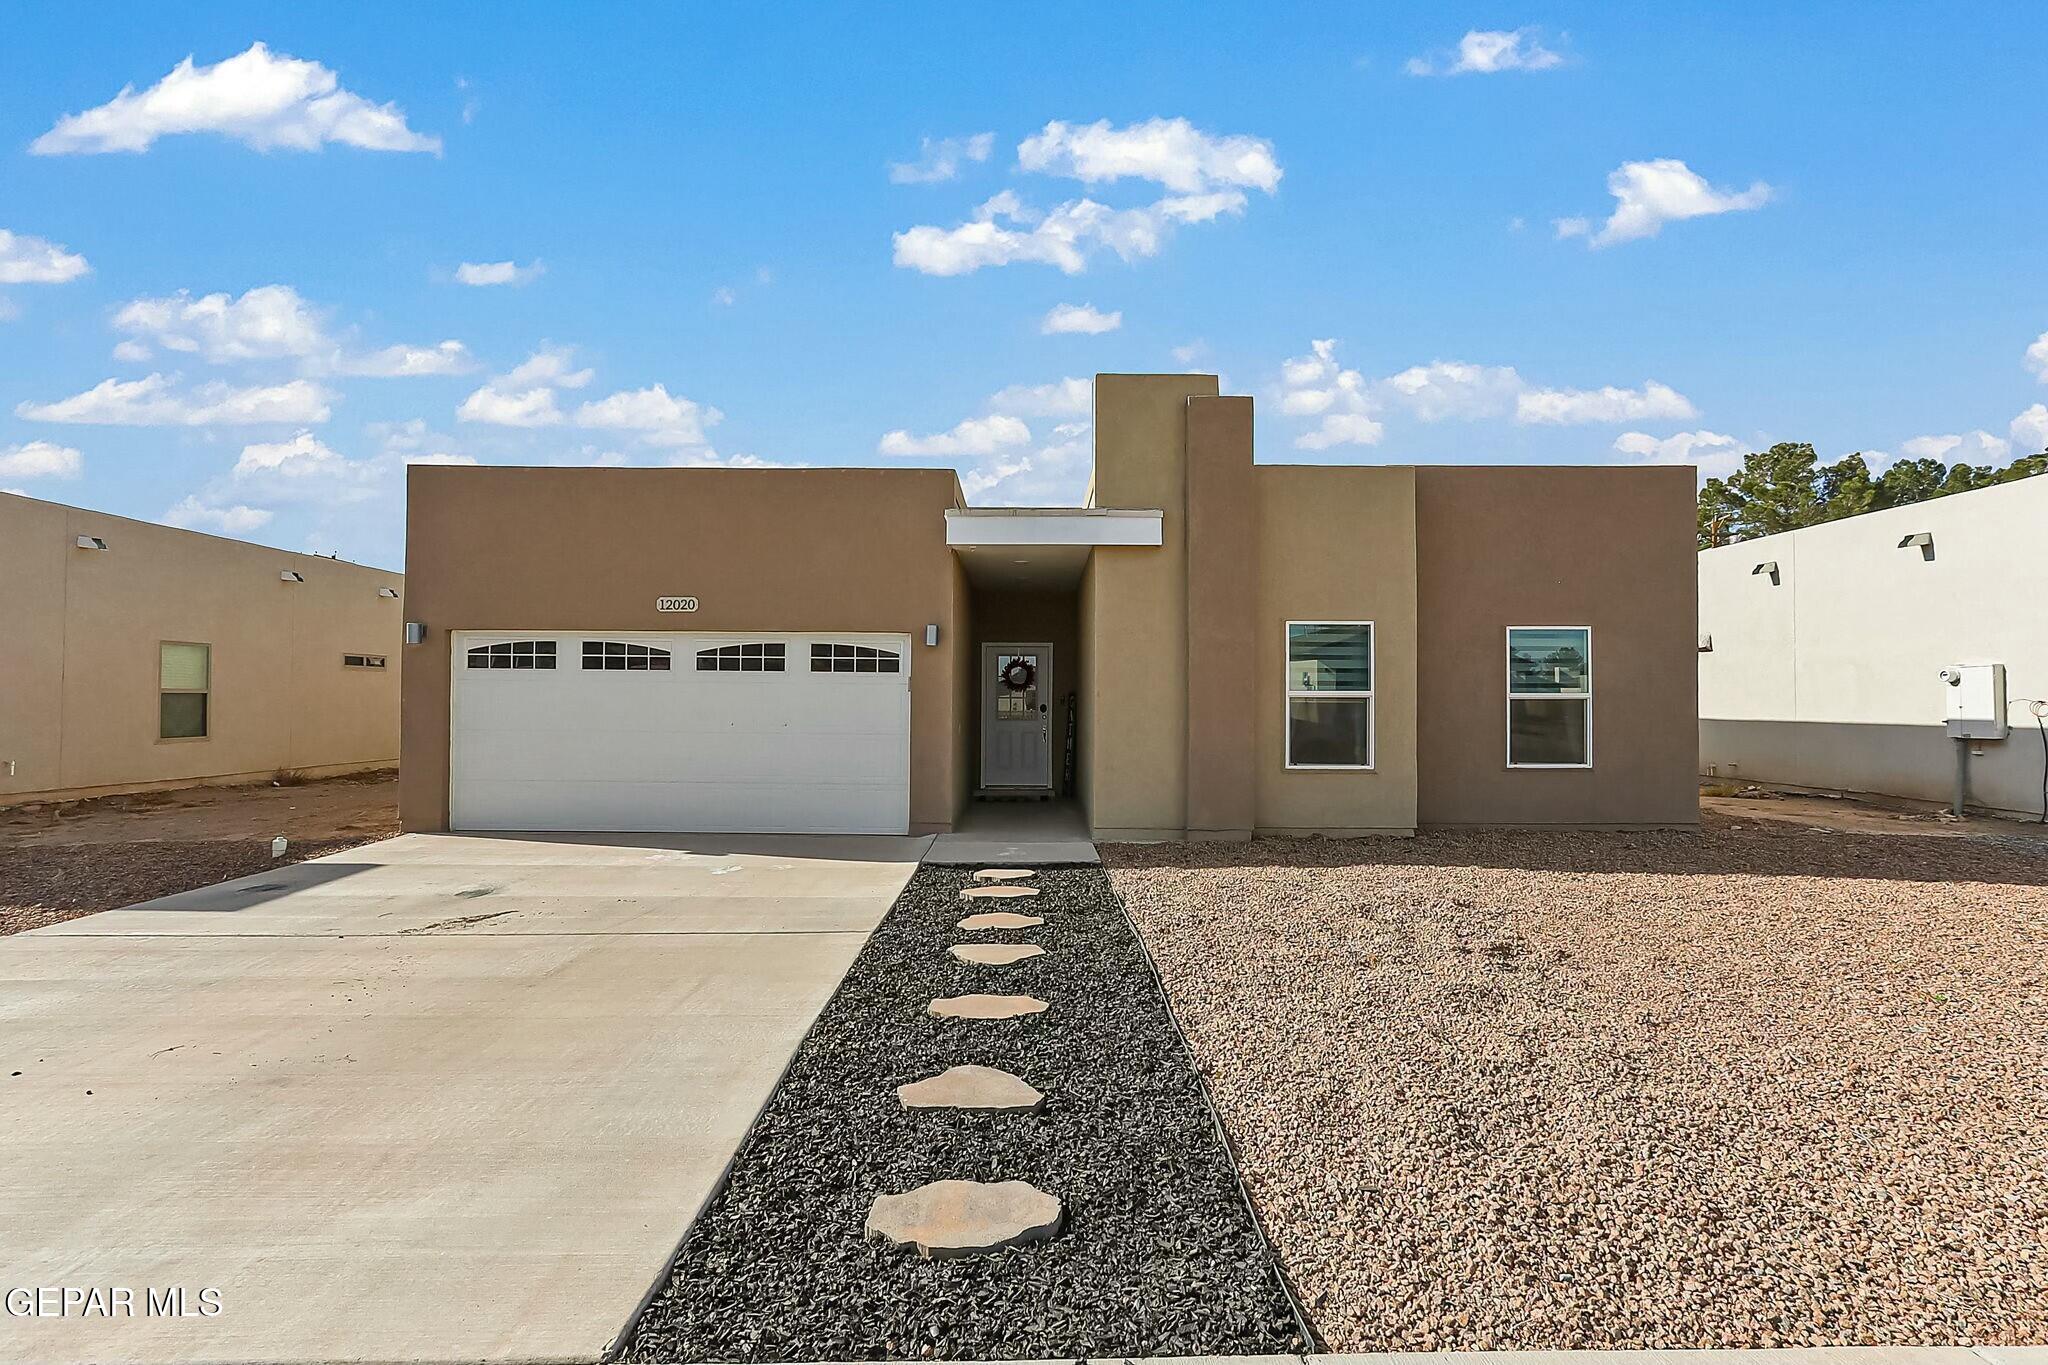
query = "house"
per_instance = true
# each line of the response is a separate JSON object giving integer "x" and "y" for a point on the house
{"x": 1834, "y": 657}
{"x": 1207, "y": 649}
{"x": 135, "y": 656}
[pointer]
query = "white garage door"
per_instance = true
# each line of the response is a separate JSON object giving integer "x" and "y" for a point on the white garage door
{"x": 797, "y": 734}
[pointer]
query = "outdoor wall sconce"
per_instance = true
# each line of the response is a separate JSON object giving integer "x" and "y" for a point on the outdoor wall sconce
{"x": 931, "y": 635}
{"x": 387, "y": 592}
{"x": 1706, "y": 644}
{"x": 1923, "y": 539}
{"x": 291, "y": 576}
{"x": 90, "y": 543}
{"x": 1769, "y": 566}
{"x": 415, "y": 632}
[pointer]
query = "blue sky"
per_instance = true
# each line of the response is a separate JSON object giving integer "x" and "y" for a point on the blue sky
{"x": 1580, "y": 234}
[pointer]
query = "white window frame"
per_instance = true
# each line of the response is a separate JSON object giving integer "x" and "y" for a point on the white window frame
{"x": 1507, "y": 665}
{"x": 1289, "y": 694}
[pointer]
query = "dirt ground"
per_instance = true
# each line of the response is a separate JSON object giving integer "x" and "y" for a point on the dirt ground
{"x": 1780, "y": 1082}
{"x": 62, "y": 860}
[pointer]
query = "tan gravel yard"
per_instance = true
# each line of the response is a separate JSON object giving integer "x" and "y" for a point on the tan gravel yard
{"x": 1764, "y": 1085}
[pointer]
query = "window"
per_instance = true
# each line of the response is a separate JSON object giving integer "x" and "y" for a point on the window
{"x": 184, "y": 678}
{"x": 514, "y": 654}
{"x": 616, "y": 657}
{"x": 362, "y": 661}
{"x": 1329, "y": 694}
{"x": 755, "y": 658}
{"x": 1550, "y": 696}
{"x": 837, "y": 658}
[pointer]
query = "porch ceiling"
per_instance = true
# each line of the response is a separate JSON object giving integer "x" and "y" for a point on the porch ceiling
{"x": 1042, "y": 547}
{"x": 1050, "y": 568}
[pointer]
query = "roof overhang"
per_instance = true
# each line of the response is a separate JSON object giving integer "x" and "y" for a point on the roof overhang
{"x": 1042, "y": 547}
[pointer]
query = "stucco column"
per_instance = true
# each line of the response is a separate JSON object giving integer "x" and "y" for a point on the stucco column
{"x": 1222, "y": 605}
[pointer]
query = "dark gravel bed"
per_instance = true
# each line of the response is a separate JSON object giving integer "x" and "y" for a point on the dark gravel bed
{"x": 1159, "y": 1256}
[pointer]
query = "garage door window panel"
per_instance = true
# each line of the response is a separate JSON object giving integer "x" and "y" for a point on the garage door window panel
{"x": 837, "y": 657}
{"x": 621, "y": 656}
{"x": 516, "y": 654}
{"x": 1550, "y": 696}
{"x": 753, "y": 657}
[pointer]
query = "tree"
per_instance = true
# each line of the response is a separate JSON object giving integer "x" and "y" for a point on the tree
{"x": 1786, "y": 487}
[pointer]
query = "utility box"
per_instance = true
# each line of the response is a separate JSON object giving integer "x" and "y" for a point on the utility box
{"x": 1974, "y": 700}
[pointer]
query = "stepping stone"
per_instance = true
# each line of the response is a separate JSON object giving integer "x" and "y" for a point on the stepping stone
{"x": 1003, "y": 874}
{"x": 994, "y": 954}
{"x": 982, "y": 1089}
{"x": 997, "y": 893}
{"x": 949, "y": 1218}
{"x": 986, "y": 1006}
{"x": 1001, "y": 919}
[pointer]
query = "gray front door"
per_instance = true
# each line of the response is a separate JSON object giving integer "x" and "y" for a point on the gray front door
{"x": 1016, "y": 715}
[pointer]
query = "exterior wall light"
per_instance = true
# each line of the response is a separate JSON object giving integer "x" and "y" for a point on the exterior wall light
{"x": 1706, "y": 644}
{"x": 90, "y": 543}
{"x": 1769, "y": 566}
{"x": 415, "y": 632}
{"x": 387, "y": 592}
{"x": 1923, "y": 540}
{"x": 931, "y": 635}
{"x": 291, "y": 576}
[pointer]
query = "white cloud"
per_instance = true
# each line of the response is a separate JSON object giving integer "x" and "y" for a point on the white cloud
{"x": 405, "y": 362}
{"x": 549, "y": 365}
{"x": 236, "y": 520}
{"x": 510, "y": 408}
{"x": 1082, "y": 318}
{"x": 1054, "y": 474}
{"x": 976, "y": 436}
{"x": 724, "y": 296}
{"x": 525, "y": 397}
{"x": 1652, "y": 402}
{"x": 40, "y": 460}
{"x": 1316, "y": 385}
{"x": 498, "y": 272}
{"x": 1171, "y": 152}
{"x": 1208, "y": 176}
{"x": 1453, "y": 389}
{"x": 711, "y": 459}
{"x": 1065, "y": 238}
{"x": 2037, "y": 358}
{"x": 155, "y": 401}
{"x": 939, "y": 158}
{"x": 34, "y": 260}
{"x": 652, "y": 413}
{"x": 1069, "y": 397}
{"x": 1717, "y": 456}
{"x": 1486, "y": 51}
{"x": 1649, "y": 194}
{"x": 266, "y": 100}
{"x": 1971, "y": 447}
{"x": 266, "y": 323}
{"x": 300, "y": 457}
{"x": 2029, "y": 430}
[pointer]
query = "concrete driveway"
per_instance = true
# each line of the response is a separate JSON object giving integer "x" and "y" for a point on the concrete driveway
{"x": 440, "y": 1098}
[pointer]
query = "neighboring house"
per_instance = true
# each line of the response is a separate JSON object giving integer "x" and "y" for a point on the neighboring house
{"x": 1233, "y": 647}
{"x": 136, "y": 656}
{"x": 1822, "y": 650}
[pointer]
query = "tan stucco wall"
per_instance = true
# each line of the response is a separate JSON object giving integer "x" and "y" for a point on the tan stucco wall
{"x": 1557, "y": 546}
{"x": 1085, "y": 689}
{"x": 1222, "y": 605}
{"x": 762, "y": 549}
{"x": 1138, "y": 635}
{"x": 1338, "y": 544}
{"x": 79, "y": 637}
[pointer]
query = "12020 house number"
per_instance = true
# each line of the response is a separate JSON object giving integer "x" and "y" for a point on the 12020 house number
{"x": 675, "y": 604}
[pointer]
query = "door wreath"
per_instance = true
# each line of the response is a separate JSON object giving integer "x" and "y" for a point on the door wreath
{"x": 1018, "y": 674}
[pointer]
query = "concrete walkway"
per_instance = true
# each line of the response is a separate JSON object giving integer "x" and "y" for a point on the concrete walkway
{"x": 440, "y": 1098}
{"x": 1023, "y": 833}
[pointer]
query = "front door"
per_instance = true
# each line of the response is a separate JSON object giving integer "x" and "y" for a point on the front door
{"x": 1016, "y": 715}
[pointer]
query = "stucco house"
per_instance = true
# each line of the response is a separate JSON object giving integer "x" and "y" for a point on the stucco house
{"x": 1208, "y": 648}
{"x": 136, "y": 656}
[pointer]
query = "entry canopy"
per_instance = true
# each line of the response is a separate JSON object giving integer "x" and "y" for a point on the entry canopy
{"x": 1042, "y": 547}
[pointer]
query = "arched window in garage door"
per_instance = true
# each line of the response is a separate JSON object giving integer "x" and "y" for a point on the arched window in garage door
{"x": 618, "y": 656}
{"x": 839, "y": 658}
{"x": 747, "y": 658}
{"x": 514, "y": 654}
